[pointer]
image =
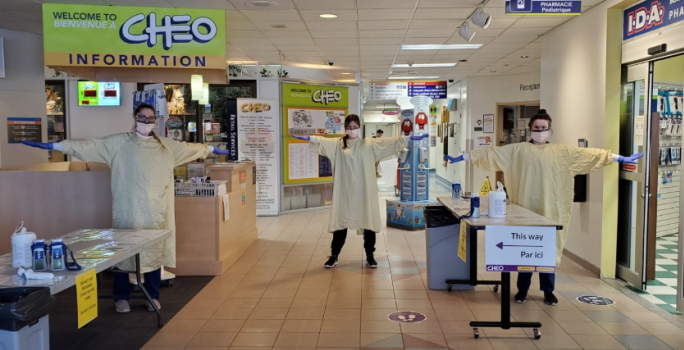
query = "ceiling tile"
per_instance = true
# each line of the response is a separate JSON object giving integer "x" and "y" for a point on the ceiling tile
{"x": 498, "y": 23}
{"x": 247, "y": 5}
{"x": 385, "y": 4}
{"x": 325, "y": 4}
{"x": 331, "y": 25}
{"x": 20, "y": 6}
{"x": 249, "y": 41}
{"x": 244, "y": 34}
{"x": 303, "y": 40}
{"x": 538, "y": 21}
{"x": 202, "y": 4}
{"x": 289, "y": 26}
{"x": 235, "y": 16}
{"x": 252, "y": 48}
{"x": 333, "y": 34}
{"x": 272, "y": 15}
{"x": 336, "y": 41}
{"x": 430, "y": 33}
{"x": 386, "y": 14}
{"x": 294, "y": 48}
{"x": 390, "y": 48}
{"x": 150, "y": 3}
{"x": 477, "y": 40}
{"x": 342, "y": 15}
{"x": 449, "y": 3}
{"x": 485, "y": 57}
{"x": 284, "y": 33}
{"x": 443, "y": 13}
{"x": 433, "y": 24}
{"x": 239, "y": 26}
{"x": 337, "y": 48}
{"x": 380, "y": 41}
{"x": 447, "y": 59}
{"x": 381, "y": 33}
{"x": 417, "y": 41}
{"x": 374, "y": 25}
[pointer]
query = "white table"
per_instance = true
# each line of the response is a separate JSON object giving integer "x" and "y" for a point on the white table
{"x": 515, "y": 216}
{"x": 93, "y": 249}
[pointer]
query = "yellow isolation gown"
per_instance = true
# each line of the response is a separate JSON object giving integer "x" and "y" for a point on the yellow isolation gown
{"x": 355, "y": 202}
{"x": 541, "y": 177}
{"x": 142, "y": 186}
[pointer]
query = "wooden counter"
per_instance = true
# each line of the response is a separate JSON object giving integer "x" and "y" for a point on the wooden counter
{"x": 207, "y": 244}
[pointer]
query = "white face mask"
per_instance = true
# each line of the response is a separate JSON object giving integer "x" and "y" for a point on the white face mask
{"x": 144, "y": 129}
{"x": 540, "y": 137}
{"x": 353, "y": 133}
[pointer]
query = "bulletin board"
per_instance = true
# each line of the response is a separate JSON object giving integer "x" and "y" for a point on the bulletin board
{"x": 302, "y": 165}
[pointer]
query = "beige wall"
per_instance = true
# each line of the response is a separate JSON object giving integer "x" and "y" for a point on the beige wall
{"x": 456, "y": 171}
{"x": 22, "y": 94}
{"x": 574, "y": 61}
{"x": 484, "y": 93}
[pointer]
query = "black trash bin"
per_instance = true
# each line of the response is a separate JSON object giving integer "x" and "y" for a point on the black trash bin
{"x": 24, "y": 318}
{"x": 441, "y": 234}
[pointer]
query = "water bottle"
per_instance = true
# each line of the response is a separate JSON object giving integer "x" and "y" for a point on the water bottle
{"x": 39, "y": 258}
{"x": 475, "y": 205}
{"x": 57, "y": 255}
{"x": 456, "y": 190}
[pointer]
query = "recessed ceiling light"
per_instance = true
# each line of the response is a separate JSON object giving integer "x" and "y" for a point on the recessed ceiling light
{"x": 492, "y": 71}
{"x": 524, "y": 56}
{"x": 278, "y": 26}
{"x": 442, "y": 47}
{"x": 345, "y": 73}
{"x": 327, "y": 15}
{"x": 463, "y": 60}
{"x": 424, "y": 65}
{"x": 413, "y": 77}
{"x": 263, "y": 3}
{"x": 506, "y": 65}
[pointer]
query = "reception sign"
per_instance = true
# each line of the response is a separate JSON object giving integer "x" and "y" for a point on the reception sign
{"x": 134, "y": 37}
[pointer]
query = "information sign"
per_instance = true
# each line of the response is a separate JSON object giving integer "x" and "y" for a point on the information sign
{"x": 86, "y": 297}
{"x": 543, "y": 7}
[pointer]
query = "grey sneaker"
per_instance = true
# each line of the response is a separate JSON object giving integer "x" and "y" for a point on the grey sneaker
{"x": 122, "y": 306}
{"x": 149, "y": 306}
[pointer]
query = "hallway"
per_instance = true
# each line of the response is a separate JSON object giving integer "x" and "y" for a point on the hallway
{"x": 279, "y": 296}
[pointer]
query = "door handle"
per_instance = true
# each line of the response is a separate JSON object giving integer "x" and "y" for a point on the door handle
{"x": 644, "y": 196}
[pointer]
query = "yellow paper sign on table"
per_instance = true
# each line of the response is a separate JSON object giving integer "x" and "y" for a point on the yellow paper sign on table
{"x": 462, "y": 253}
{"x": 486, "y": 187}
{"x": 86, "y": 297}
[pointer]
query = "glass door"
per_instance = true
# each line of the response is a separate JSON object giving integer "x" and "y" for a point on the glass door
{"x": 635, "y": 185}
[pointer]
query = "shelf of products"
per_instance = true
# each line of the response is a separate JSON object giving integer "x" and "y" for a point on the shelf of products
{"x": 56, "y": 118}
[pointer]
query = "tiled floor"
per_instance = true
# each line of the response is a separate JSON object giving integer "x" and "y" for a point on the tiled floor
{"x": 663, "y": 291}
{"x": 279, "y": 296}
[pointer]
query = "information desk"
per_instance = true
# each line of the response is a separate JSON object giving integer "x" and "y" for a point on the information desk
{"x": 515, "y": 216}
{"x": 93, "y": 249}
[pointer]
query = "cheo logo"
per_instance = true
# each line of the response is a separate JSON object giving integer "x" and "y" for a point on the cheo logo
{"x": 174, "y": 29}
{"x": 645, "y": 17}
{"x": 325, "y": 97}
{"x": 255, "y": 107}
{"x": 495, "y": 268}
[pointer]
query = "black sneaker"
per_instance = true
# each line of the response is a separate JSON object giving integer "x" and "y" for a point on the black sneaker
{"x": 371, "y": 262}
{"x": 550, "y": 299}
{"x": 521, "y": 297}
{"x": 331, "y": 262}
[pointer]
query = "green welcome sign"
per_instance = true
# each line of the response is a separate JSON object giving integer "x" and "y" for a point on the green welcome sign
{"x": 142, "y": 37}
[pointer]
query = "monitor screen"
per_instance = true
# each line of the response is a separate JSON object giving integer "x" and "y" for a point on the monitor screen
{"x": 93, "y": 93}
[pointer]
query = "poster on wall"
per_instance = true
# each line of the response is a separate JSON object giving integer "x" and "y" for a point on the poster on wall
{"x": 257, "y": 124}
{"x": 488, "y": 120}
{"x": 24, "y": 129}
{"x": 484, "y": 140}
{"x": 310, "y": 110}
{"x": 315, "y": 121}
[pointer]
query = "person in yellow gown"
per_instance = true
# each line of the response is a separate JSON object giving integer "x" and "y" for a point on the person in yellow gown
{"x": 142, "y": 191}
{"x": 355, "y": 203}
{"x": 539, "y": 176}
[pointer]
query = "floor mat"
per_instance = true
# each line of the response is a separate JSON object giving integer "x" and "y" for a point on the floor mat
{"x": 111, "y": 330}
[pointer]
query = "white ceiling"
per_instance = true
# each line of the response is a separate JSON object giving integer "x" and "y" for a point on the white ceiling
{"x": 366, "y": 37}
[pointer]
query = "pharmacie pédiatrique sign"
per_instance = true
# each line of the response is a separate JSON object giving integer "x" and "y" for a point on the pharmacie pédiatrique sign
{"x": 142, "y": 37}
{"x": 543, "y": 7}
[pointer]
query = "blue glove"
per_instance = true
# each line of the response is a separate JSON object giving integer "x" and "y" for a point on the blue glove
{"x": 302, "y": 137}
{"x": 631, "y": 159}
{"x": 38, "y": 144}
{"x": 454, "y": 159}
{"x": 223, "y": 152}
{"x": 418, "y": 138}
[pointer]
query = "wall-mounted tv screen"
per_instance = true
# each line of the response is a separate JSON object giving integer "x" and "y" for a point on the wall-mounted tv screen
{"x": 93, "y": 93}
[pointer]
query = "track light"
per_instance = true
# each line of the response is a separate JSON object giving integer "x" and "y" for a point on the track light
{"x": 465, "y": 32}
{"x": 481, "y": 18}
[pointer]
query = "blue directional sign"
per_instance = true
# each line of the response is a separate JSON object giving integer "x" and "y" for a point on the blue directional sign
{"x": 543, "y": 7}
